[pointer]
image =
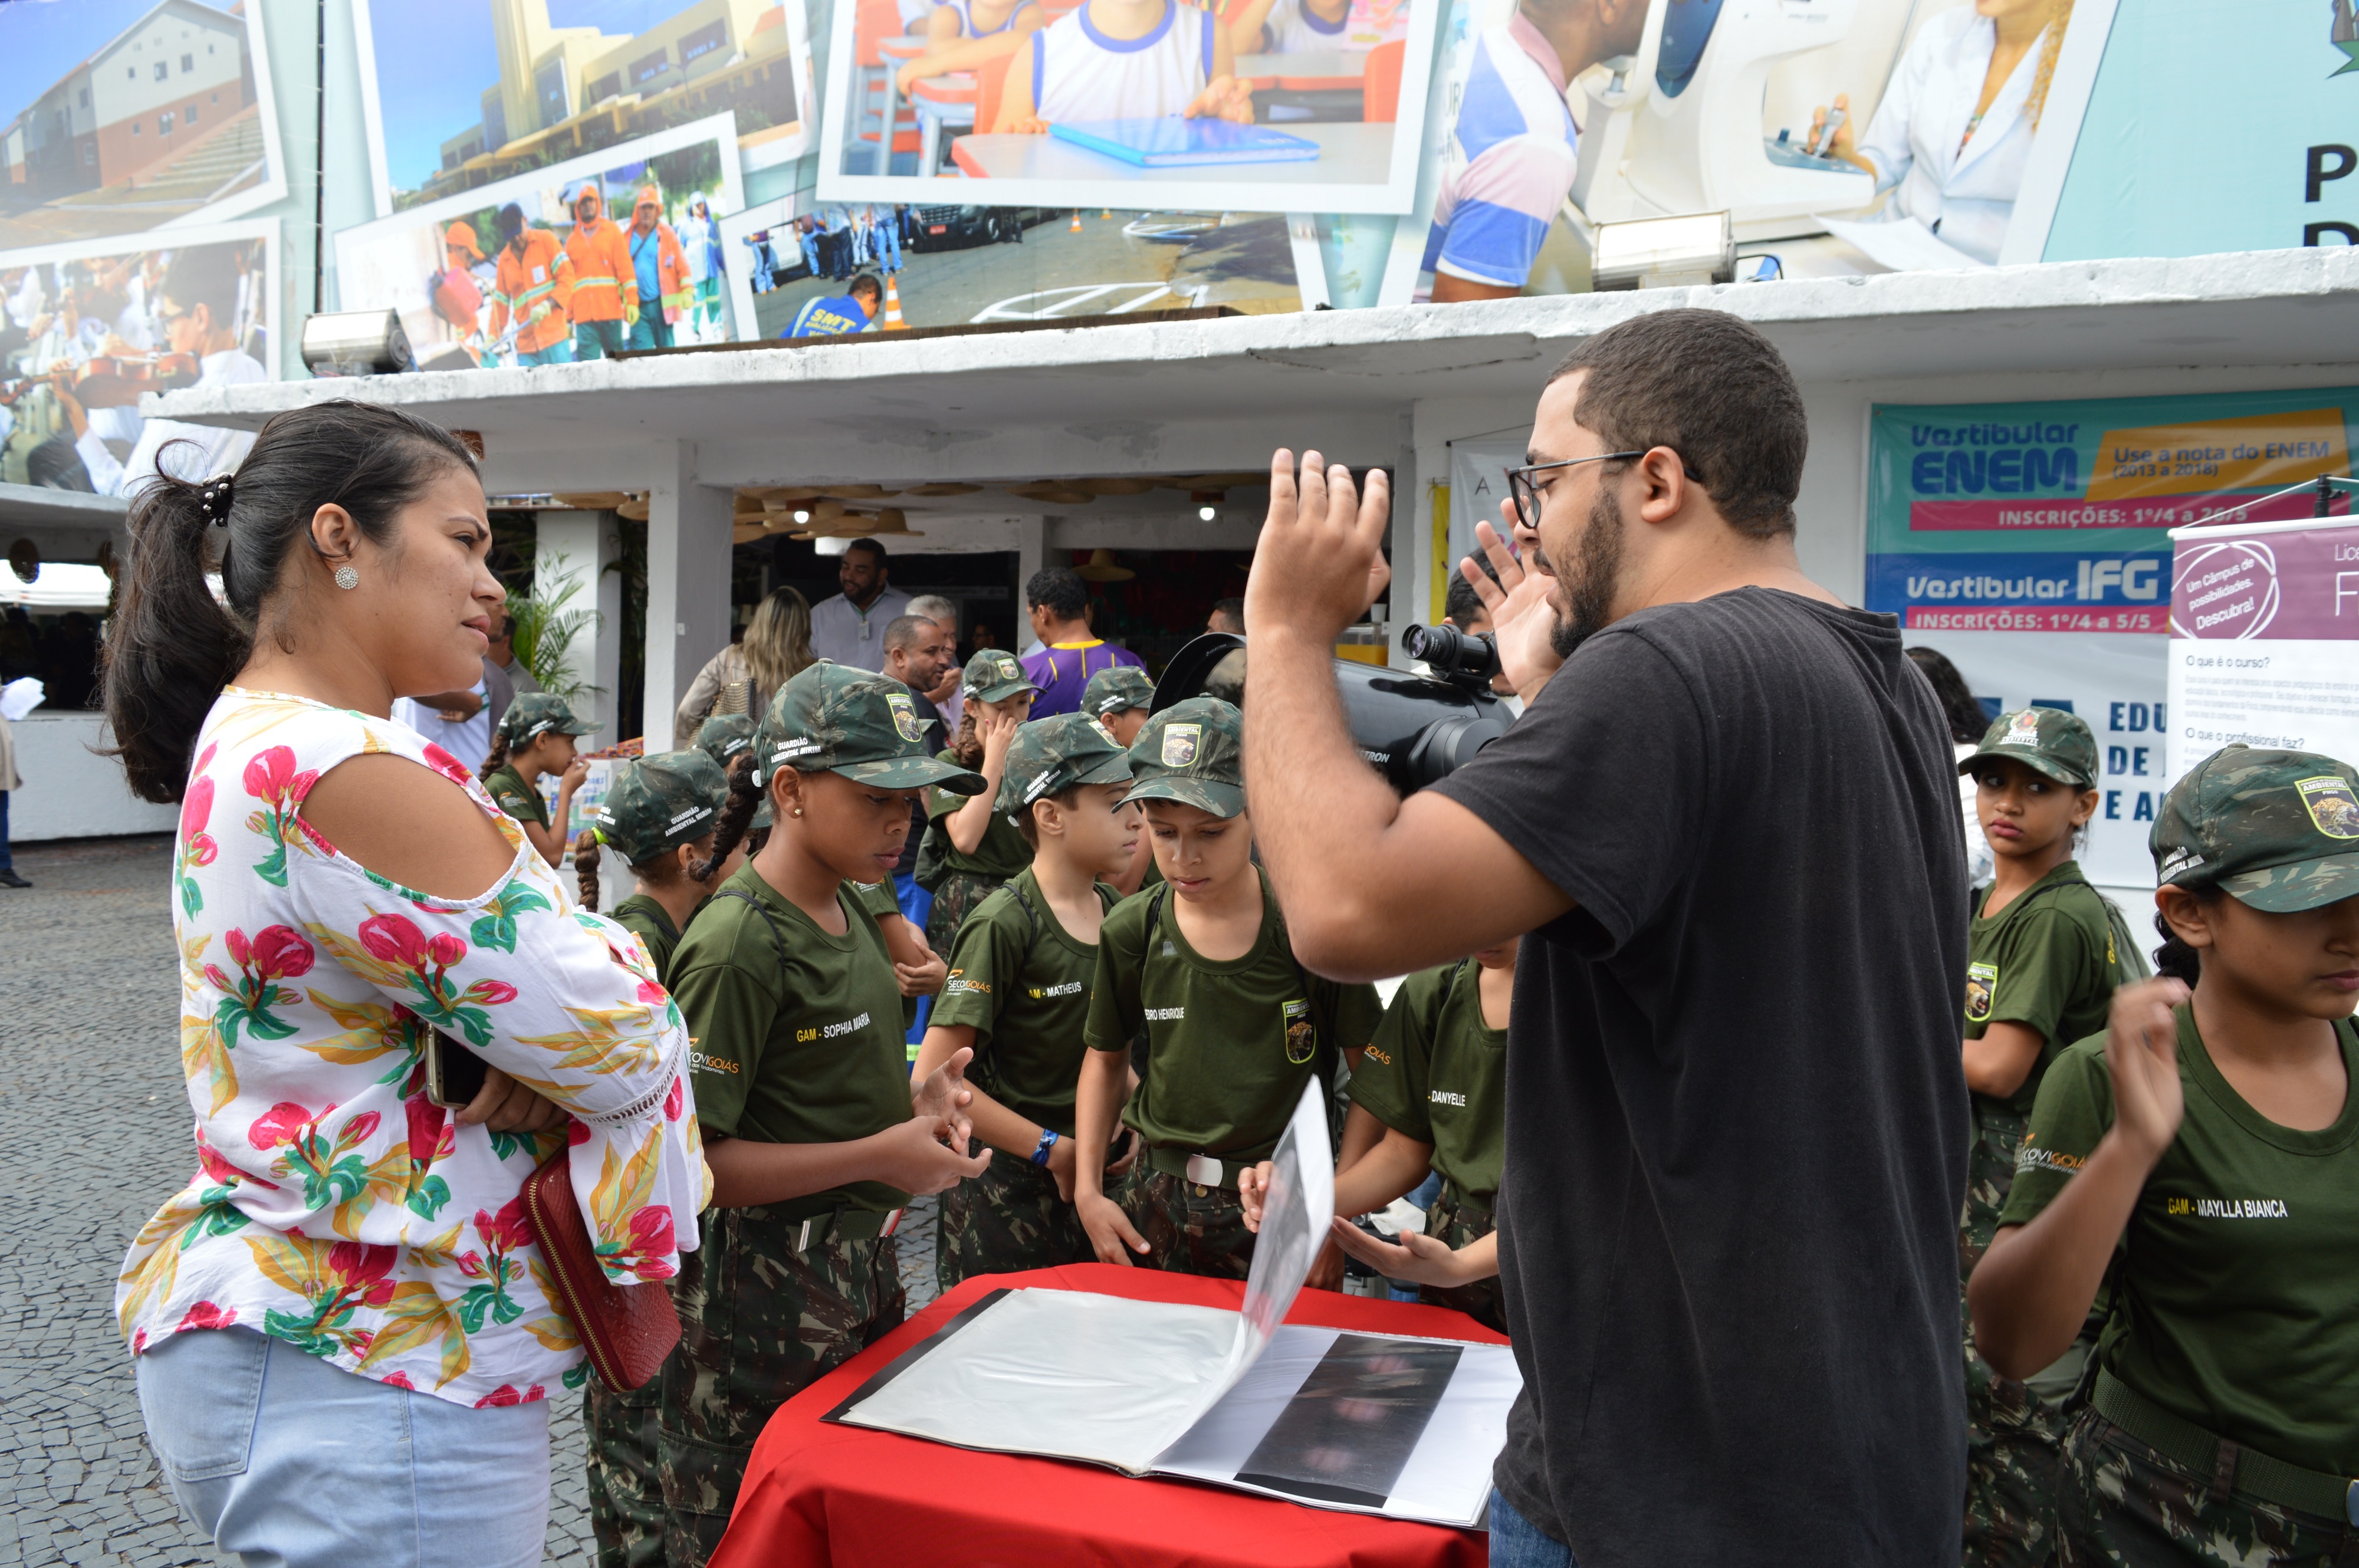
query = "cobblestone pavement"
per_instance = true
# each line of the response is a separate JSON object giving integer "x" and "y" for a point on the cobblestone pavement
{"x": 94, "y": 1134}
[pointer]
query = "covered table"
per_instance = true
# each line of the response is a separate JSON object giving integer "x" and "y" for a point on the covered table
{"x": 827, "y": 1493}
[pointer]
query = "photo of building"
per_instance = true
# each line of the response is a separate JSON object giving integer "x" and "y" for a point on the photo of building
{"x": 539, "y": 83}
{"x": 150, "y": 122}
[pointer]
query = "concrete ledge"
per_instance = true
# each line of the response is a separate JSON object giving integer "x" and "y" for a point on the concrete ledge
{"x": 2256, "y": 308}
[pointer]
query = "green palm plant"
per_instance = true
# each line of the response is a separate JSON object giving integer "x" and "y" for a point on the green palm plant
{"x": 542, "y": 629}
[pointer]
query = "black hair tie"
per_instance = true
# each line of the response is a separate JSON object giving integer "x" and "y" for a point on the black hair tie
{"x": 214, "y": 496}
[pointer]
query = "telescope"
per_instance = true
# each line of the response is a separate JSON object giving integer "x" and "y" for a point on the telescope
{"x": 1415, "y": 730}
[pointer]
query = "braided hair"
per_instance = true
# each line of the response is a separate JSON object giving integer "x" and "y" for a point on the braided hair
{"x": 736, "y": 816}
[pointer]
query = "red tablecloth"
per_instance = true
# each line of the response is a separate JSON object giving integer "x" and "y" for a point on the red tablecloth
{"x": 843, "y": 1494}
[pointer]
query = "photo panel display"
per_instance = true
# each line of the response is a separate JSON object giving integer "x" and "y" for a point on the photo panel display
{"x": 91, "y": 326}
{"x": 546, "y": 268}
{"x": 461, "y": 95}
{"x": 121, "y": 116}
{"x": 1842, "y": 139}
{"x": 1293, "y": 106}
{"x": 947, "y": 265}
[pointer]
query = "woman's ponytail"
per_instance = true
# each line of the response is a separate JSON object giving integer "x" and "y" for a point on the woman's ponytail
{"x": 585, "y": 867}
{"x": 736, "y": 816}
{"x": 170, "y": 645}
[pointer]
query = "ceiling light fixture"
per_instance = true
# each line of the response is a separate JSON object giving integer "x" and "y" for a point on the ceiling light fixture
{"x": 802, "y": 515}
{"x": 1207, "y": 513}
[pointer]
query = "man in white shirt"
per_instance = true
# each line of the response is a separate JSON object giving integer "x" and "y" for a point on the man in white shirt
{"x": 850, "y": 627}
{"x": 463, "y": 728}
{"x": 198, "y": 309}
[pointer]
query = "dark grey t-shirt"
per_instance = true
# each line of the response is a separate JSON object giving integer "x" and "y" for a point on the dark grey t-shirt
{"x": 1736, "y": 1116}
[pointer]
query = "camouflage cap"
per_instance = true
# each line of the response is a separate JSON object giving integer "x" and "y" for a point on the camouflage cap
{"x": 1192, "y": 752}
{"x": 536, "y": 714}
{"x": 2279, "y": 830}
{"x": 1051, "y": 755}
{"x": 991, "y": 674}
{"x": 834, "y": 718}
{"x": 2048, "y": 739}
{"x": 724, "y": 737}
{"x": 1116, "y": 690}
{"x": 660, "y": 802}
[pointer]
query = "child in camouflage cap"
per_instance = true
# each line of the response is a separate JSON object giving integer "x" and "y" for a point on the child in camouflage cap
{"x": 971, "y": 845}
{"x": 1235, "y": 1027}
{"x": 536, "y": 736}
{"x": 658, "y": 815}
{"x": 1119, "y": 699}
{"x": 1018, "y": 994}
{"x": 814, "y": 1133}
{"x": 2045, "y": 951}
{"x": 2199, "y": 1161}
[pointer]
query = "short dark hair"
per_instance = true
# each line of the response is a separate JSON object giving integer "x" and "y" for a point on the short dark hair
{"x": 903, "y": 631}
{"x": 1461, "y": 604}
{"x": 204, "y": 275}
{"x": 865, "y": 284}
{"x": 875, "y": 551}
{"x": 1713, "y": 389}
{"x": 1232, "y": 608}
{"x": 1062, "y": 589}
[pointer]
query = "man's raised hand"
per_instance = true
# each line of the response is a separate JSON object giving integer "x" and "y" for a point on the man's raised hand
{"x": 1321, "y": 551}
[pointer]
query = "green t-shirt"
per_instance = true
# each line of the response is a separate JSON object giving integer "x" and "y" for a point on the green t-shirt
{"x": 1023, "y": 982}
{"x": 519, "y": 800}
{"x": 1438, "y": 1073}
{"x": 1229, "y": 1045}
{"x": 999, "y": 855}
{"x": 2232, "y": 1304}
{"x": 2048, "y": 961}
{"x": 652, "y": 923}
{"x": 803, "y": 1048}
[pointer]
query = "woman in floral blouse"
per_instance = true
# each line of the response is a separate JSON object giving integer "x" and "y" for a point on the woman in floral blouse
{"x": 346, "y": 1338}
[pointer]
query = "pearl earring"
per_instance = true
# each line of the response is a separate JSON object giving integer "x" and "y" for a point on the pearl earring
{"x": 347, "y": 578}
{"x": 799, "y": 810}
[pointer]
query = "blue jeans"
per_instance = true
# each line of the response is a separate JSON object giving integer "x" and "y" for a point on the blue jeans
{"x": 559, "y": 352}
{"x": 285, "y": 1459}
{"x": 916, "y": 903}
{"x": 596, "y": 340}
{"x": 8, "y": 862}
{"x": 888, "y": 236}
{"x": 1517, "y": 1542}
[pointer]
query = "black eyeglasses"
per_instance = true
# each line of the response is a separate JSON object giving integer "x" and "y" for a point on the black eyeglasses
{"x": 1526, "y": 495}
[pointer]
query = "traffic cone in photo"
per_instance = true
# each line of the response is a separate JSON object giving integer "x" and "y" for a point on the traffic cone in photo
{"x": 893, "y": 322}
{"x": 1107, "y": 213}
{"x": 1077, "y": 220}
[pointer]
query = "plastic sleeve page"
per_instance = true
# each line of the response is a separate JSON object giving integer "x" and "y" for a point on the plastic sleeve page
{"x": 1064, "y": 1373}
{"x": 1295, "y": 1212}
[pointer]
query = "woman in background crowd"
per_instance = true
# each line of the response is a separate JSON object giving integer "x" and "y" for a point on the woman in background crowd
{"x": 777, "y": 648}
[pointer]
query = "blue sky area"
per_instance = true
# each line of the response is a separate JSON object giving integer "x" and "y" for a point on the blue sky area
{"x": 43, "y": 40}
{"x": 434, "y": 57}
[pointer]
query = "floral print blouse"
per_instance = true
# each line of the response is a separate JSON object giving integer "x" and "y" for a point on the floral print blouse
{"x": 333, "y": 1206}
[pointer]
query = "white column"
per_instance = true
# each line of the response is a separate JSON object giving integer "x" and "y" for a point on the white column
{"x": 688, "y": 581}
{"x": 581, "y": 545}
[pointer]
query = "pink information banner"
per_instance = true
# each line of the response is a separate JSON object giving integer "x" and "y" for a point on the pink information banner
{"x": 2290, "y": 585}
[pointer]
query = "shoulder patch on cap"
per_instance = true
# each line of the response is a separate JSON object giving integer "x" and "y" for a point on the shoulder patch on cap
{"x": 1180, "y": 744}
{"x": 2332, "y": 810}
{"x": 2022, "y": 730}
{"x": 905, "y": 717}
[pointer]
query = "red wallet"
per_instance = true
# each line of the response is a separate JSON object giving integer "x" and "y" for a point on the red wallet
{"x": 627, "y": 1329}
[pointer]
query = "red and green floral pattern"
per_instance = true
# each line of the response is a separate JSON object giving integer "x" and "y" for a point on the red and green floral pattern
{"x": 333, "y": 1204}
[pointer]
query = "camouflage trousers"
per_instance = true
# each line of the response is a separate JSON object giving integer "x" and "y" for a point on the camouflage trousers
{"x": 2015, "y": 1431}
{"x": 1458, "y": 1221}
{"x": 626, "y": 1506}
{"x": 2125, "y": 1506}
{"x": 955, "y": 899}
{"x": 1009, "y": 1218}
{"x": 758, "y": 1323}
{"x": 1189, "y": 1229}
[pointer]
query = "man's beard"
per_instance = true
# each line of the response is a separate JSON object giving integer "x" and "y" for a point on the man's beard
{"x": 1584, "y": 601}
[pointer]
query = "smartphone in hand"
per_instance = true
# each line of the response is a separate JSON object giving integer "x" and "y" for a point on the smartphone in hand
{"x": 454, "y": 1076}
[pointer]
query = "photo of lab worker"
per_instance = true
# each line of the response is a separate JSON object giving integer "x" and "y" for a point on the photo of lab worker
{"x": 1952, "y": 135}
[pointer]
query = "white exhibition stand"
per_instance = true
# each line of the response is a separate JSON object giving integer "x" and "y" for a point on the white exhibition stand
{"x": 69, "y": 792}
